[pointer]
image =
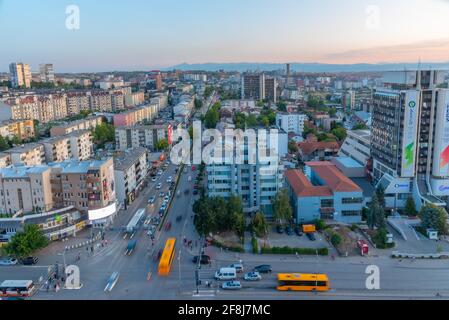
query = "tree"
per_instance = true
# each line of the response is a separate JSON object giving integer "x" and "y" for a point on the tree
{"x": 25, "y": 243}
{"x": 198, "y": 103}
{"x": 410, "y": 207}
{"x": 259, "y": 225}
{"x": 336, "y": 239}
{"x": 4, "y": 145}
{"x": 380, "y": 192}
{"x": 103, "y": 134}
{"x": 212, "y": 116}
{"x": 375, "y": 214}
{"x": 282, "y": 106}
{"x": 340, "y": 133}
{"x": 292, "y": 147}
{"x": 283, "y": 212}
{"x": 208, "y": 91}
{"x": 162, "y": 144}
{"x": 360, "y": 126}
{"x": 433, "y": 217}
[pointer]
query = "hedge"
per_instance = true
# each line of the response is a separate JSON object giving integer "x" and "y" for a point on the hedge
{"x": 301, "y": 251}
{"x": 217, "y": 244}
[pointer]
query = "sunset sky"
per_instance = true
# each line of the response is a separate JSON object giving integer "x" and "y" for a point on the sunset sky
{"x": 136, "y": 34}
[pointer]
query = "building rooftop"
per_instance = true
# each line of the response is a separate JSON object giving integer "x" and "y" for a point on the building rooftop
{"x": 310, "y": 147}
{"x": 303, "y": 187}
{"x": 348, "y": 162}
{"x": 21, "y": 171}
{"x": 74, "y": 166}
{"x": 25, "y": 148}
{"x": 129, "y": 158}
{"x": 333, "y": 177}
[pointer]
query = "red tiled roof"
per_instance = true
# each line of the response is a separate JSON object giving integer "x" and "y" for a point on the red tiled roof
{"x": 310, "y": 147}
{"x": 303, "y": 187}
{"x": 333, "y": 177}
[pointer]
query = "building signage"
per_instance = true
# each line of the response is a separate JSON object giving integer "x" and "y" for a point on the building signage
{"x": 103, "y": 212}
{"x": 440, "y": 187}
{"x": 441, "y": 153}
{"x": 409, "y": 135}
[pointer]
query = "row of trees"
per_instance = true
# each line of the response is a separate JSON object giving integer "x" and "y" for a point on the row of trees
{"x": 103, "y": 134}
{"x": 212, "y": 116}
{"x": 8, "y": 143}
{"x": 266, "y": 119}
{"x": 214, "y": 215}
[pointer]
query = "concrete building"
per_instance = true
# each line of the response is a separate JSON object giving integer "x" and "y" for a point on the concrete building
{"x": 77, "y": 102}
{"x": 5, "y": 160}
{"x": 137, "y": 115}
{"x": 134, "y": 99}
{"x": 30, "y": 154}
{"x": 88, "y": 123}
{"x": 154, "y": 80}
{"x": 357, "y": 146}
{"x": 324, "y": 193}
{"x": 20, "y": 75}
{"x": 317, "y": 151}
{"x": 81, "y": 145}
{"x": 57, "y": 149}
{"x": 291, "y": 122}
{"x": 253, "y": 86}
{"x": 130, "y": 171}
{"x": 22, "y": 129}
{"x": 271, "y": 92}
{"x": 254, "y": 178}
{"x": 409, "y": 141}
{"x": 47, "y": 73}
{"x": 142, "y": 136}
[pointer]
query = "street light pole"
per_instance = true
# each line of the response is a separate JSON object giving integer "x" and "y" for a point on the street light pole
{"x": 179, "y": 271}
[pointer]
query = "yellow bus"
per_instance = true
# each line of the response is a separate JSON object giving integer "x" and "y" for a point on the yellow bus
{"x": 167, "y": 257}
{"x": 303, "y": 282}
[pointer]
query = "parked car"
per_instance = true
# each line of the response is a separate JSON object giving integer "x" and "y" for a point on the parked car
{"x": 167, "y": 198}
{"x": 289, "y": 231}
{"x": 253, "y": 276}
{"x": 238, "y": 267}
{"x": 152, "y": 200}
{"x": 8, "y": 262}
{"x": 298, "y": 231}
{"x": 231, "y": 285}
{"x": 161, "y": 194}
{"x": 264, "y": 268}
{"x": 159, "y": 186}
{"x": 311, "y": 236}
{"x": 205, "y": 259}
{"x": 170, "y": 179}
{"x": 29, "y": 261}
{"x": 280, "y": 230}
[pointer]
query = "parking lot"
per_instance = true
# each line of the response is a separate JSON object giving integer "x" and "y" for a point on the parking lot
{"x": 276, "y": 239}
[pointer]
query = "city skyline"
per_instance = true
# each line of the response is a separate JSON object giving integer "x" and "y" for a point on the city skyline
{"x": 161, "y": 34}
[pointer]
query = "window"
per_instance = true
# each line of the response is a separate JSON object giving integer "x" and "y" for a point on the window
{"x": 351, "y": 213}
{"x": 327, "y": 203}
{"x": 351, "y": 200}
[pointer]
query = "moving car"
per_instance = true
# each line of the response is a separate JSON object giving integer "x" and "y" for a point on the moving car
{"x": 226, "y": 274}
{"x": 154, "y": 179}
{"x": 204, "y": 259}
{"x": 169, "y": 179}
{"x": 253, "y": 276}
{"x": 160, "y": 172}
{"x": 238, "y": 267}
{"x": 152, "y": 199}
{"x": 159, "y": 185}
{"x": 29, "y": 261}
{"x": 264, "y": 268}
{"x": 231, "y": 285}
{"x": 8, "y": 261}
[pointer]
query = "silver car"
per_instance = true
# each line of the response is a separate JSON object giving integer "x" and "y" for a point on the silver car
{"x": 231, "y": 285}
{"x": 8, "y": 262}
{"x": 253, "y": 276}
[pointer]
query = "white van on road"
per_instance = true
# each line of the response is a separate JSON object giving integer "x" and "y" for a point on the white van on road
{"x": 226, "y": 274}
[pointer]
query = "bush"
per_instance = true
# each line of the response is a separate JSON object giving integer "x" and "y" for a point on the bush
{"x": 336, "y": 240}
{"x": 354, "y": 227}
{"x": 320, "y": 225}
{"x": 255, "y": 245}
{"x": 301, "y": 251}
{"x": 217, "y": 244}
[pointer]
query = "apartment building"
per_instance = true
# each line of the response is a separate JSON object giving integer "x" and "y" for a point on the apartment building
{"x": 142, "y": 136}
{"x": 23, "y": 129}
{"x": 57, "y": 149}
{"x": 5, "y": 160}
{"x": 47, "y": 73}
{"x": 323, "y": 193}
{"x": 25, "y": 189}
{"x": 137, "y": 115}
{"x": 88, "y": 123}
{"x": 255, "y": 178}
{"x": 30, "y": 154}
{"x": 130, "y": 171}
{"x": 20, "y": 75}
{"x": 101, "y": 101}
{"x": 134, "y": 99}
{"x": 77, "y": 102}
{"x": 409, "y": 143}
{"x": 81, "y": 145}
{"x": 291, "y": 122}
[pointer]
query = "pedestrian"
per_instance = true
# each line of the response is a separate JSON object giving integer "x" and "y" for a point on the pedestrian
{"x": 106, "y": 242}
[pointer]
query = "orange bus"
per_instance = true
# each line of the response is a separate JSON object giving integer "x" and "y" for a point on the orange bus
{"x": 167, "y": 257}
{"x": 303, "y": 282}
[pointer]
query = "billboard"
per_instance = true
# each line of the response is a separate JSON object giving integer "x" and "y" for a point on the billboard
{"x": 441, "y": 148}
{"x": 103, "y": 212}
{"x": 409, "y": 142}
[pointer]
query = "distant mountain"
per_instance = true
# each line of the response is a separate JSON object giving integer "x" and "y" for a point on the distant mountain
{"x": 307, "y": 67}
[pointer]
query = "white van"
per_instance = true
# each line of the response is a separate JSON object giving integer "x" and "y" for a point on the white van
{"x": 226, "y": 274}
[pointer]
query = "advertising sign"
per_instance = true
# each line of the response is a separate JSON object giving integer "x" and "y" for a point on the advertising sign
{"x": 102, "y": 213}
{"x": 409, "y": 135}
{"x": 441, "y": 151}
{"x": 440, "y": 187}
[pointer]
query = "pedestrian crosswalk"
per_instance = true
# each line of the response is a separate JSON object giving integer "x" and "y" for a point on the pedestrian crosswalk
{"x": 204, "y": 293}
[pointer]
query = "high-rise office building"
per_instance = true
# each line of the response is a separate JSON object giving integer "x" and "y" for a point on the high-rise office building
{"x": 154, "y": 78}
{"x": 258, "y": 86}
{"x": 410, "y": 138}
{"x": 20, "y": 75}
{"x": 47, "y": 73}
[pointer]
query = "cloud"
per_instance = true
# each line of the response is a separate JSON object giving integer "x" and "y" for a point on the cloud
{"x": 430, "y": 50}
